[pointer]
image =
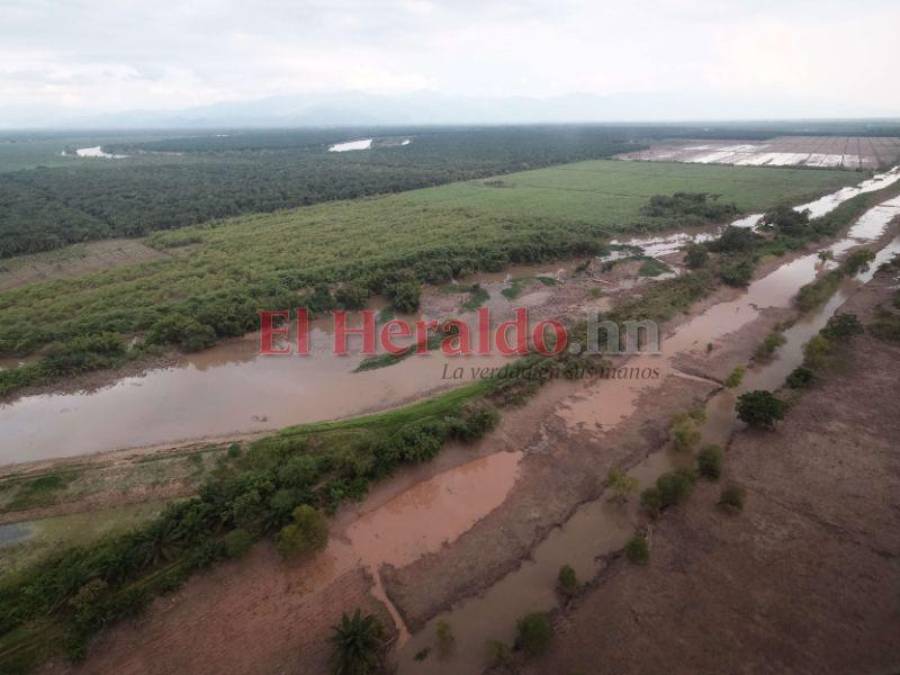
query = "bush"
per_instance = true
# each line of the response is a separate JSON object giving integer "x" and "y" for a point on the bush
{"x": 734, "y": 240}
{"x": 534, "y": 633}
{"x": 445, "y": 640}
{"x": 621, "y": 484}
{"x": 787, "y": 220}
{"x": 567, "y": 581}
{"x": 772, "y": 342}
{"x": 685, "y": 434}
{"x": 499, "y": 655}
{"x": 675, "y": 486}
{"x": 709, "y": 462}
{"x": 842, "y": 326}
{"x": 237, "y": 543}
{"x": 637, "y": 550}
{"x": 234, "y": 450}
{"x": 732, "y": 499}
{"x": 760, "y": 409}
{"x": 800, "y": 378}
{"x": 817, "y": 352}
{"x": 735, "y": 378}
{"x": 736, "y": 273}
{"x": 308, "y": 533}
{"x": 181, "y": 330}
{"x": 651, "y": 501}
{"x": 351, "y": 296}
{"x": 404, "y": 296}
{"x": 697, "y": 256}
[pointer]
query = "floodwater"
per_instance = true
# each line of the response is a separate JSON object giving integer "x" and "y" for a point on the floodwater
{"x": 363, "y": 144}
{"x": 97, "y": 151}
{"x": 231, "y": 389}
{"x": 13, "y": 534}
{"x": 603, "y": 527}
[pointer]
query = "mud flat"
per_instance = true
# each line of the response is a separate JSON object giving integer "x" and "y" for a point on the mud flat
{"x": 470, "y": 588}
{"x": 796, "y": 583}
{"x": 811, "y": 151}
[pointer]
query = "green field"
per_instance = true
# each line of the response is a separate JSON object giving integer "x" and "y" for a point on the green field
{"x": 610, "y": 193}
{"x": 234, "y": 267}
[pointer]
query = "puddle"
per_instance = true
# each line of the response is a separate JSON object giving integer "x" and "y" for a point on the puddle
{"x": 14, "y": 533}
{"x": 97, "y": 151}
{"x": 363, "y": 144}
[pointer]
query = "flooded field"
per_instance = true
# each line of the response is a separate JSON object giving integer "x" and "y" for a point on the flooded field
{"x": 813, "y": 151}
{"x": 232, "y": 389}
{"x": 602, "y": 527}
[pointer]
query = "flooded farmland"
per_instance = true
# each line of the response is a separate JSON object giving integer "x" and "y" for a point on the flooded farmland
{"x": 232, "y": 389}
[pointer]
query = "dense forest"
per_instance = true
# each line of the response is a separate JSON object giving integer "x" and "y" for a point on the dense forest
{"x": 178, "y": 178}
{"x": 218, "y": 176}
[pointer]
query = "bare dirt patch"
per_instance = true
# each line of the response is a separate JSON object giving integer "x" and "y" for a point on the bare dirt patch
{"x": 74, "y": 261}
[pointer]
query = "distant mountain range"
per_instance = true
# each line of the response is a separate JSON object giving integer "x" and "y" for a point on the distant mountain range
{"x": 362, "y": 109}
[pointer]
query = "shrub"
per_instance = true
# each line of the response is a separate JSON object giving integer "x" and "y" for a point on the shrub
{"x": 567, "y": 581}
{"x": 709, "y": 462}
{"x": 621, "y": 484}
{"x": 237, "y": 543}
{"x": 534, "y": 633}
{"x": 817, "y": 352}
{"x": 499, "y": 654}
{"x": 772, "y": 342}
{"x": 842, "y": 326}
{"x": 351, "y": 296}
{"x": 651, "y": 501}
{"x": 308, "y": 532}
{"x": 736, "y": 273}
{"x": 760, "y": 409}
{"x": 181, "y": 330}
{"x": 886, "y": 327}
{"x": 787, "y": 220}
{"x": 445, "y": 640}
{"x": 800, "y": 378}
{"x": 734, "y": 240}
{"x": 358, "y": 644}
{"x": 735, "y": 378}
{"x": 404, "y": 296}
{"x": 685, "y": 434}
{"x": 732, "y": 499}
{"x": 697, "y": 256}
{"x": 675, "y": 486}
{"x": 637, "y": 550}
{"x": 234, "y": 450}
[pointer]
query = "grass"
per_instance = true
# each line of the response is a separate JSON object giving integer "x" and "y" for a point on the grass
{"x": 611, "y": 193}
{"x": 53, "y": 534}
{"x": 246, "y": 259}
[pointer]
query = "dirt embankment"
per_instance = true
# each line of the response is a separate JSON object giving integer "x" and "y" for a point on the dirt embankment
{"x": 803, "y": 581}
{"x": 257, "y": 615}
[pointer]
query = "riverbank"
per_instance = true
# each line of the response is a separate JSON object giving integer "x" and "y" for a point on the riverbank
{"x": 796, "y": 582}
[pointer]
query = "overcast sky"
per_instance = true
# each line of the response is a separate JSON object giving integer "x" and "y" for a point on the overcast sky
{"x": 93, "y": 56}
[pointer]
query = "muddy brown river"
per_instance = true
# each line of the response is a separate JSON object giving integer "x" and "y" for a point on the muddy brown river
{"x": 231, "y": 389}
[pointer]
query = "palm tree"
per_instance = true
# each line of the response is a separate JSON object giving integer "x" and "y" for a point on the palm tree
{"x": 359, "y": 645}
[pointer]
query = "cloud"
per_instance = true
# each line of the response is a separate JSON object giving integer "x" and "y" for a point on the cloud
{"x": 98, "y": 56}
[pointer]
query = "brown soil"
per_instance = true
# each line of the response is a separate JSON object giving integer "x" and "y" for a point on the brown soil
{"x": 255, "y": 615}
{"x": 561, "y": 470}
{"x": 74, "y": 261}
{"x": 803, "y": 580}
